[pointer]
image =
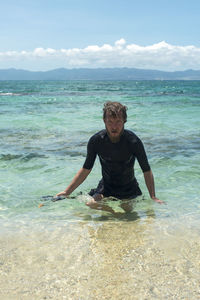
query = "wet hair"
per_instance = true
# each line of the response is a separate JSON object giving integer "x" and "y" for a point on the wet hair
{"x": 115, "y": 110}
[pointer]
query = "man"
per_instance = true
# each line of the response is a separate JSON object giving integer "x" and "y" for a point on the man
{"x": 117, "y": 149}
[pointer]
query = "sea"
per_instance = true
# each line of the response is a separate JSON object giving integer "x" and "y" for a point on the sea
{"x": 66, "y": 250}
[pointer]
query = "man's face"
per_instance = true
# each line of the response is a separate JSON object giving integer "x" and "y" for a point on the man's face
{"x": 114, "y": 127}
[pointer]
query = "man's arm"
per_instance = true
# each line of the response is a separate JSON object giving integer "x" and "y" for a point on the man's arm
{"x": 149, "y": 180}
{"x": 77, "y": 180}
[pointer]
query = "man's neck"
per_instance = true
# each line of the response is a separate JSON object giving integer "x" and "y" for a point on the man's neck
{"x": 117, "y": 139}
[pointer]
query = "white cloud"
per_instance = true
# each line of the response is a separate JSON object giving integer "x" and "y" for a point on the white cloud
{"x": 161, "y": 56}
{"x": 120, "y": 43}
{"x": 42, "y": 52}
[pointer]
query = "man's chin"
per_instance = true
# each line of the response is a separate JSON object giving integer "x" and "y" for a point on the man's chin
{"x": 114, "y": 136}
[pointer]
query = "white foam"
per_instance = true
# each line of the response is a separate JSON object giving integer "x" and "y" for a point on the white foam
{"x": 9, "y": 94}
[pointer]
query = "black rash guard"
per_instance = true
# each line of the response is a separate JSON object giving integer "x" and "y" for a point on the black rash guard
{"x": 117, "y": 161}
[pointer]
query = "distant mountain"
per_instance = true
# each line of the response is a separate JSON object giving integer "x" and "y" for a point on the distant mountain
{"x": 99, "y": 74}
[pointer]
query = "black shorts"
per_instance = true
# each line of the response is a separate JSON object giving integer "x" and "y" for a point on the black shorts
{"x": 127, "y": 192}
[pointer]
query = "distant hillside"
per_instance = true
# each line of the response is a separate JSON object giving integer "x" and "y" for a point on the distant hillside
{"x": 99, "y": 74}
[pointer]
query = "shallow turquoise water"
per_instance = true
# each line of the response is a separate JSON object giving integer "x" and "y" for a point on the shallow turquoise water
{"x": 44, "y": 129}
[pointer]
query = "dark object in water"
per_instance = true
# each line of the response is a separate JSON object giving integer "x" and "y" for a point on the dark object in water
{"x": 52, "y": 198}
{"x": 57, "y": 198}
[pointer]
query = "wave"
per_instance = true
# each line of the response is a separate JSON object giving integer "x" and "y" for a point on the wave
{"x": 10, "y": 94}
{"x": 28, "y": 156}
{"x": 24, "y": 157}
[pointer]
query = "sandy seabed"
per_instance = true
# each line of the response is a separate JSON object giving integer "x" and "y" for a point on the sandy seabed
{"x": 144, "y": 259}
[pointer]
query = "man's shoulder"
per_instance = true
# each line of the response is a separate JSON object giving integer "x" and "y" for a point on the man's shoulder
{"x": 133, "y": 141}
{"x": 130, "y": 135}
{"x": 98, "y": 136}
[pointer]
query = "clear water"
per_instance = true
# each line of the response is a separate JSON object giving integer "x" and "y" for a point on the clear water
{"x": 45, "y": 126}
{"x": 64, "y": 250}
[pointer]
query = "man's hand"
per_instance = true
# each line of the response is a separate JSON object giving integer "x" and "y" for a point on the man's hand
{"x": 62, "y": 194}
{"x": 158, "y": 200}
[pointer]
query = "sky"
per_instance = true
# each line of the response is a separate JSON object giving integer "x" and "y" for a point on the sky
{"x": 42, "y": 35}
